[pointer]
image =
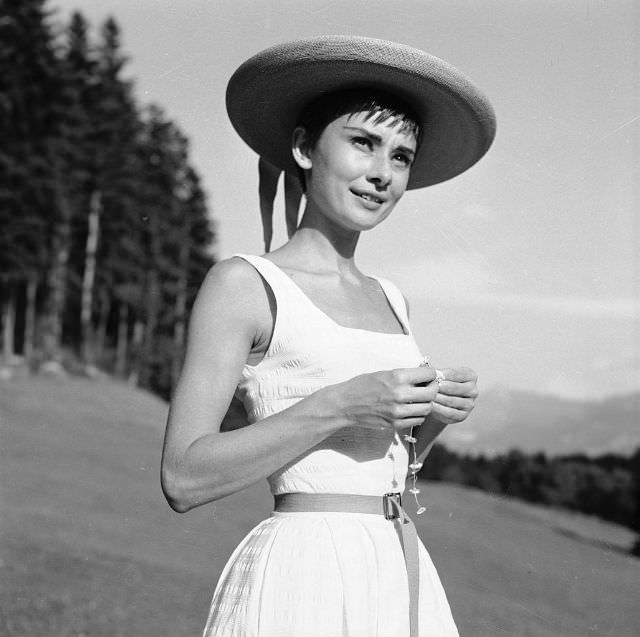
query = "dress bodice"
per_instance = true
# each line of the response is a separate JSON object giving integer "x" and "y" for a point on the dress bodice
{"x": 309, "y": 350}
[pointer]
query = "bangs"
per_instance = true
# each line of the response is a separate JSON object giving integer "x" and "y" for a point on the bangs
{"x": 392, "y": 117}
{"x": 380, "y": 107}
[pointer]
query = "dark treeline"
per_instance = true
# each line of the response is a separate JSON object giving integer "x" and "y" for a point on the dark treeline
{"x": 104, "y": 230}
{"x": 607, "y": 486}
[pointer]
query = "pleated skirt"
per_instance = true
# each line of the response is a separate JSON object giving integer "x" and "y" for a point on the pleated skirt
{"x": 324, "y": 574}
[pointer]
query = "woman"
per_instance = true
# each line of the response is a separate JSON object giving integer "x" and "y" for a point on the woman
{"x": 321, "y": 355}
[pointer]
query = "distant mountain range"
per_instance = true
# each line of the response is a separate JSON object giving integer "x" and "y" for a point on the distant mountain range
{"x": 506, "y": 419}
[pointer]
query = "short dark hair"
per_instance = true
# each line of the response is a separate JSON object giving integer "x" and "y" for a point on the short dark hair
{"x": 380, "y": 106}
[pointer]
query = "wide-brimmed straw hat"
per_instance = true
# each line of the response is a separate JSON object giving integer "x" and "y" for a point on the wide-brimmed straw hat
{"x": 267, "y": 93}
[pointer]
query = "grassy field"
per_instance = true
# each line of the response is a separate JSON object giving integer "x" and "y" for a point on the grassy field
{"x": 89, "y": 547}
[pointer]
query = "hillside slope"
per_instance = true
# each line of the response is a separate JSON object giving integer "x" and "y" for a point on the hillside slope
{"x": 89, "y": 547}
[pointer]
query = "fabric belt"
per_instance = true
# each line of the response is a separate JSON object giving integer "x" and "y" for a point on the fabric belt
{"x": 389, "y": 505}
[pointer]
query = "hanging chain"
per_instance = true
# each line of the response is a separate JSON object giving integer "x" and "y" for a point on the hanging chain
{"x": 414, "y": 465}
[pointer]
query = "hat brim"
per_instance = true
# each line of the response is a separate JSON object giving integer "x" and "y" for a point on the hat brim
{"x": 267, "y": 93}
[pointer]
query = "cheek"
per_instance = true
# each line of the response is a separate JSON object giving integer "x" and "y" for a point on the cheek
{"x": 400, "y": 185}
{"x": 339, "y": 163}
{"x": 334, "y": 173}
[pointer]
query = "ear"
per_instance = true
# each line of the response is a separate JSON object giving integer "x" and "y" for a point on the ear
{"x": 300, "y": 148}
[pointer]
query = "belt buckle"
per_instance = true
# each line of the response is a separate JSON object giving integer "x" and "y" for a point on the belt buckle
{"x": 388, "y": 500}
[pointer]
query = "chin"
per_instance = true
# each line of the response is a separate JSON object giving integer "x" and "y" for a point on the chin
{"x": 364, "y": 226}
{"x": 373, "y": 221}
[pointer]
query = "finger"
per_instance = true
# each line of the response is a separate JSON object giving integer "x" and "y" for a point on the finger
{"x": 414, "y": 375}
{"x": 404, "y": 411}
{"x": 448, "y": 414}
{"x": 455, "y": 402}
{"x": 420, "y": 394}
{"x": 460, "y": 374}
{"x": 459, "y": 381}
{"x": 464, "y": 390}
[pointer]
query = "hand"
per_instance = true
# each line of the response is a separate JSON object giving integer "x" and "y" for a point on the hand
{"x": 387, "y": 399}
{"x": 456, "y": 395}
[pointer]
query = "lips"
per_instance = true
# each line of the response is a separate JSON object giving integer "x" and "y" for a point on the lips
{"x": 369, "y": 196}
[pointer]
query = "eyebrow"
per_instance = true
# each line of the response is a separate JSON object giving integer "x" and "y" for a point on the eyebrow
{"x": 378, "y": 139}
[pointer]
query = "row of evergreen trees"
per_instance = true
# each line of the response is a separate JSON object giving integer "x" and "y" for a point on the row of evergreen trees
{"x": 104, "y": 230}
{"x": 607, "y": 486}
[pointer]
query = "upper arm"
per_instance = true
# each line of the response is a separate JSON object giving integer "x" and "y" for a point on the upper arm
{"x": 230, "y": 313}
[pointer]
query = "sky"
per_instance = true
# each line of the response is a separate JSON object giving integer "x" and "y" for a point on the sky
{"x": 525, "y": 267}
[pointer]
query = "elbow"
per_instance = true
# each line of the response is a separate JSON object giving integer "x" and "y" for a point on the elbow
{"x": 183, "y": 493}
{"x": 176, "y": 491}
{"x": 179, "y": 505}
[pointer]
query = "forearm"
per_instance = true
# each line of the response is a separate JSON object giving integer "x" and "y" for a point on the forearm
{"x": 426, "y": 435}
{"x": 218, "y": 464}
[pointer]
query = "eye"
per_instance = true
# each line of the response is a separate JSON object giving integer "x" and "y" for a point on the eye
{"x": 362, "y": 142}
{"x": 403, "y": 159}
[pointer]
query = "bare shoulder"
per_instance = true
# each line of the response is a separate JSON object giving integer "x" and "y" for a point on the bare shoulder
{"x": 235, "y": 281}
{"x": 233, "y": 294}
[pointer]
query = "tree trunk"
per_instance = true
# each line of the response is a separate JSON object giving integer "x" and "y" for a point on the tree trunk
{"x": 88, "y": 279}
{"x": 153, "y": 309}
{"x": 178, "y": 335}
{"x": 123, "y": 340}
{"x": 8, "y": 325}
{"x": 153, "y": 300}
{"x": 100, "y": 336}
{"x": 180, "y": 306}
{"x": 136, "y": 342}
{"x": 57, "y": 277}
{"x": 30, "y": 317}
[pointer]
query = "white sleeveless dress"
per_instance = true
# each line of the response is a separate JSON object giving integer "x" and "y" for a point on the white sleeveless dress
{"x": 310, "y": 574}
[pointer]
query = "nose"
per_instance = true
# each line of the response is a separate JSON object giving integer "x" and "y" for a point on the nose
{"x": 379, "y": 171}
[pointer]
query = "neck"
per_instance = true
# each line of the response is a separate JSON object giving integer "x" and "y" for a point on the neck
{"x": 324, "y": 244}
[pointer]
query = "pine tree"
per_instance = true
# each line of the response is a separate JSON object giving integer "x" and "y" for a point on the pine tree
{"x": 29, "y": 85}
{"x": 193, "y": 238}
{"x": 176, "y": 236}
{"x": 70, "y": 161}
{"x": 113, "y": 140}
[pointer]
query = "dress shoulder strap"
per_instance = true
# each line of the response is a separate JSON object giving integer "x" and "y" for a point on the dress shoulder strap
{"x": 287, "y": 295}
{"x": 396, "y": 301}
{"x": 278, "y": 281}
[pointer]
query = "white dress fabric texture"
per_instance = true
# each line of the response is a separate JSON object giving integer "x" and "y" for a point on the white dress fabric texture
{"x": 327, "y": 574}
